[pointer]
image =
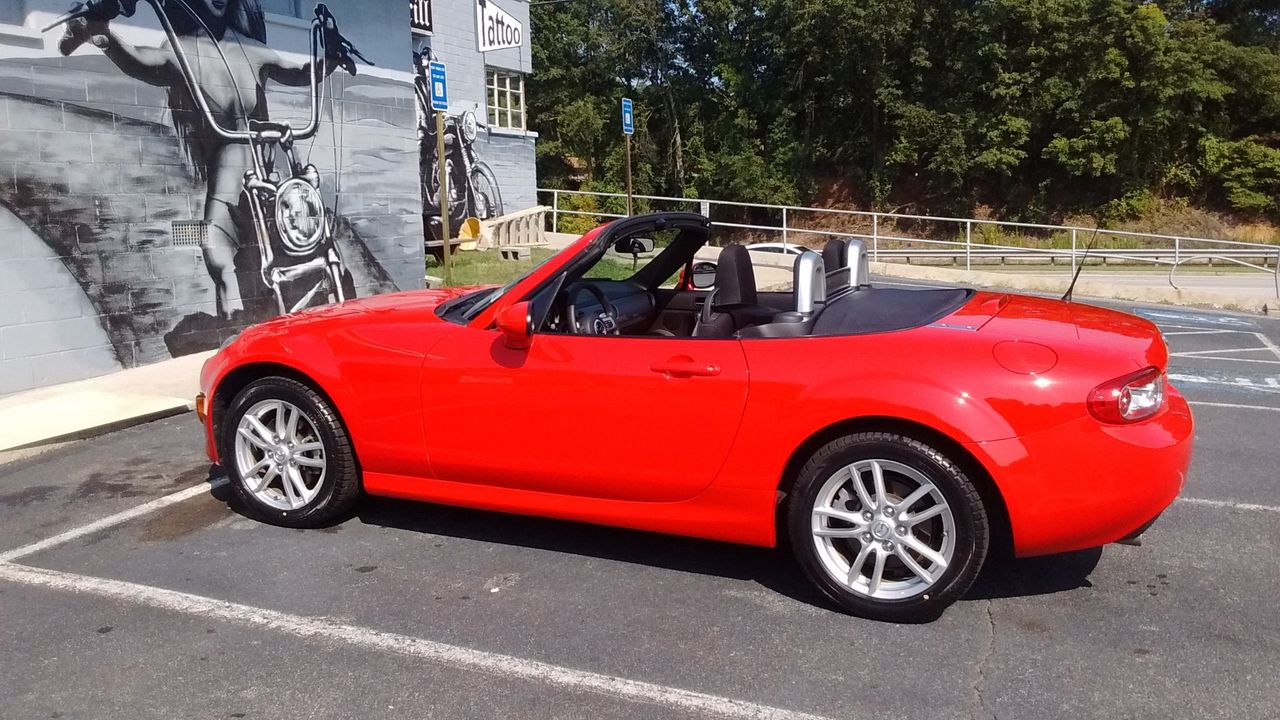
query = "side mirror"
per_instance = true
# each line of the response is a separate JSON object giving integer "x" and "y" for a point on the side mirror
{"x": 704, "y": 275}
{"x": 633, "y": 246}
{"x": 516, "y": 324}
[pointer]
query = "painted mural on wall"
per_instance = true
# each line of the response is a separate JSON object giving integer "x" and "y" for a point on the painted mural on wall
{"x": 209, "y": 182}
{"x": 473, "y": 186}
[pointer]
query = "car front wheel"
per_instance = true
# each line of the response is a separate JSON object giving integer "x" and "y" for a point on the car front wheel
{"x": 887, "y": 527}
{"x": 289, "y": 455}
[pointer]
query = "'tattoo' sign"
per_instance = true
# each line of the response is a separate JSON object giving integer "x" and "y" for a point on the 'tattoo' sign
{"x": 495, "y": 28}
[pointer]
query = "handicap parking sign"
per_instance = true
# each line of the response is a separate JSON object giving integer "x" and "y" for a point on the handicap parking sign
{"x": 439, "y": 87}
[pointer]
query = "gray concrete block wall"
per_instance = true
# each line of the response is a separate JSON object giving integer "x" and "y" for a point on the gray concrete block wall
{"x": 512, "y": 160}
{"x": 511, "y": 156}
{"x": 49, "y": 331}
{"x": 92, "y": 175}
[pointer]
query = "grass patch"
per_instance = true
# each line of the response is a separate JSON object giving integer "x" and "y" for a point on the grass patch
{"x": 486, "y": 267}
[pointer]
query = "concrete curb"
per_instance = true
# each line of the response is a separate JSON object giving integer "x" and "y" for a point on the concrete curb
{"x": 108, "y": 427}
{"x": 1090, "y": 287}
{"x": 96, "y": 406}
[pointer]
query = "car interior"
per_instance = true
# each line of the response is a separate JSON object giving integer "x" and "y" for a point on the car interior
{"x": 830, "y": 294}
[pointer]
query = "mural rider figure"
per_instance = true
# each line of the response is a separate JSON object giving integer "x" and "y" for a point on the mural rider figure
{"x": 239, "y": 26}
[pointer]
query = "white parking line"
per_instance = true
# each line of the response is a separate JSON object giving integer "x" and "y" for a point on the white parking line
{"x": 1228, "y": 504}
{"x": 112, "y": 520}
{"x": 1234, "y": 405}
{"x": 1265, "y": 385}
{"x": 1216, "y": 358}
{"x": 1191, "y": 353}
{"x": 451, "y": 655}
{"x": 1164, "y": 317}
{"x": 1275, "y": 349}
{"x": 323, "y": 628}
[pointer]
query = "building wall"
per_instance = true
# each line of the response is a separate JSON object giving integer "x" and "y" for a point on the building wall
{"x": 97, "y": 163}
{"x": 508, "y": 153}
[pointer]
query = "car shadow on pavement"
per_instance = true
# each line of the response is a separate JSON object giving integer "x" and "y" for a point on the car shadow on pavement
{"x": 772, "y": 568}
{"x": 1009, "y": 577}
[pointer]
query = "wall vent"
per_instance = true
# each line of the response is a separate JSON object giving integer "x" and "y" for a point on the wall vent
{"x": 190, "y": 233}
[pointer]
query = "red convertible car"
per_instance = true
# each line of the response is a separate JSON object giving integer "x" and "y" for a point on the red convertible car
{"x": 890, "y": 437}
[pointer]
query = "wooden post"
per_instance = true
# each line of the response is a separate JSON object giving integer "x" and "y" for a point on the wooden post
{"x": 628, "y": 175}
{"x": 444, "y": 198}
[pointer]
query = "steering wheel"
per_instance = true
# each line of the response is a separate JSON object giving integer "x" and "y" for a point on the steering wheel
{"x": 604, "y": 323}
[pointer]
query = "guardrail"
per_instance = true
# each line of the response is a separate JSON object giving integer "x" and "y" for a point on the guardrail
{"x": 892, "y": 235}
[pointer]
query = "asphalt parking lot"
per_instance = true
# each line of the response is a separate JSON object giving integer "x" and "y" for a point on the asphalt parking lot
{"x": 416, "y": 611}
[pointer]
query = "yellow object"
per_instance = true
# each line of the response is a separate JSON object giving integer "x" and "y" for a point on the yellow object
{"x": 469, "y": 233}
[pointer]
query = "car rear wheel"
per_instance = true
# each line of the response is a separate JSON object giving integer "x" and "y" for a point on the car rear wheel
{"x": 289, "y": 454}
{"x": 887, "y": 527}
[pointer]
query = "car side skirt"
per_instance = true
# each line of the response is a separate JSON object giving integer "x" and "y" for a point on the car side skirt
{"x": 727, "y": 514}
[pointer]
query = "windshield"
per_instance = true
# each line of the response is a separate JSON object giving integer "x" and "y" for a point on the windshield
{"x": 477, "y": 302}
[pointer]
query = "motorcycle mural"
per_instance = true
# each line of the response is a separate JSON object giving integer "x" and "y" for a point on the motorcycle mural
{"x": 298, "y": 259}
{"x": 168, "y": 177}
{"x": 473, "y": 187}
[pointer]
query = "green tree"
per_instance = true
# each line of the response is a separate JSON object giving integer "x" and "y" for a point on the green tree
{"x": 1035, "y": 107}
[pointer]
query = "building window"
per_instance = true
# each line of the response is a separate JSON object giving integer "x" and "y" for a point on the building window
{"x": 506, "y": 99}
{"x": 292, "y": 8}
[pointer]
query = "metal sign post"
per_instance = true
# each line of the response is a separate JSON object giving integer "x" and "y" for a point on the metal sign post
{"x": 628, "y": 129}
{"x": 440, "y": 104}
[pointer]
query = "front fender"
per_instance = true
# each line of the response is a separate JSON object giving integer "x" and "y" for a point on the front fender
{"x": 360, "y": 370}
{"x": 261, "y": 354}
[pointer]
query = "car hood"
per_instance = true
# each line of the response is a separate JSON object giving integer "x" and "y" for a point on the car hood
{"x": 409, "y": 303}
{"x": 411, "y": 300}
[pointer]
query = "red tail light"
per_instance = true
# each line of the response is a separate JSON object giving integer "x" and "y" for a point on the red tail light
{"x": 1129, "y": 399}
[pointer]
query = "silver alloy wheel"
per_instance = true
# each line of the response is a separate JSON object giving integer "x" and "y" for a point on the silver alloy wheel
{"x": 279, "y": 455}
{"x": 871, "y": 541}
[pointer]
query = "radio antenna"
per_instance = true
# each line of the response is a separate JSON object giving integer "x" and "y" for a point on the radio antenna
{"x": 1080, "y": 268}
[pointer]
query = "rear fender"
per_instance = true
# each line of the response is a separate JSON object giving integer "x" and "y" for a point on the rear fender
{"x": 767, "y": 443}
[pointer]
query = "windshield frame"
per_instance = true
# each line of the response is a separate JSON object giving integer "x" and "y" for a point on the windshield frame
{"x": 576, "y": 258}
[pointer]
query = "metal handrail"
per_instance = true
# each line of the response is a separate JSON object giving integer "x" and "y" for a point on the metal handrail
{"x": 1181, "y": 254}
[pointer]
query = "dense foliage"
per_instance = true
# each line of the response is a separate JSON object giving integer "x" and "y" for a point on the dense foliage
{"x": 1036, "y": 108}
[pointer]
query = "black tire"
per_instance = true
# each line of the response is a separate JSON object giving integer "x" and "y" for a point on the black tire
{"x": 972, "y": 528}
{"x": 340, "y": 485}
{"x": 482, "y": 176}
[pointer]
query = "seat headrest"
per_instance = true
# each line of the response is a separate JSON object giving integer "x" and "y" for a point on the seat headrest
{"x": 810, "y": 282}
{"x": 735, "y": 279}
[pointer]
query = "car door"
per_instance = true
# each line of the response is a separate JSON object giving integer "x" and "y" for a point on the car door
{"x": 626, "y": 418}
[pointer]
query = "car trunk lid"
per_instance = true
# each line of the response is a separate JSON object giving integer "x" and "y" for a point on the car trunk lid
{"x": 1058, "y": 322}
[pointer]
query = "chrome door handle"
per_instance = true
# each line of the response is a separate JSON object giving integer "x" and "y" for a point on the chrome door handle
{"x": 685, "y": 368}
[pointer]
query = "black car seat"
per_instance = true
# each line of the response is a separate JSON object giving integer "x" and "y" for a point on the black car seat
{"x": 809, "y": 284}
{"x": 733, "y": 304}
{"x": 835, "y": 258}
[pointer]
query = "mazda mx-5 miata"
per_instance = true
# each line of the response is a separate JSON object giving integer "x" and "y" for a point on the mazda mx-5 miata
{"x": 890, "y": 437}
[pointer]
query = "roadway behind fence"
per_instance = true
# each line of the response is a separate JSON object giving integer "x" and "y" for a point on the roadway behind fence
{"x": 923, "y": 239}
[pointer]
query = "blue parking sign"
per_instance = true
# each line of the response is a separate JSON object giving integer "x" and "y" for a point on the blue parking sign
{"x": 439, "y": 87}
{"x": 628, "y": 117}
